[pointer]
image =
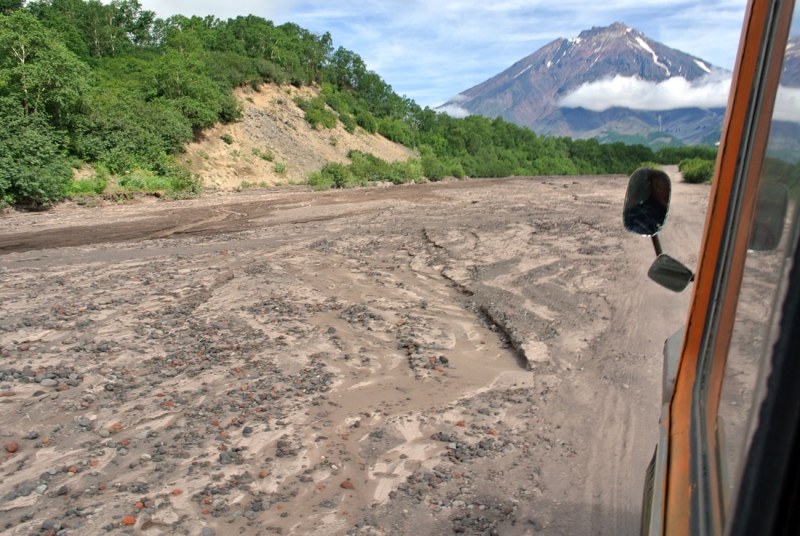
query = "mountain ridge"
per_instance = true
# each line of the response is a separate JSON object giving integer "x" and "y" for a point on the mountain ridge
{"x": 529, "y": 92}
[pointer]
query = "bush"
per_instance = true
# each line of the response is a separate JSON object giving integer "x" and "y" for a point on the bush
{"x": 227, "y": 138}
{"x": 348, "y": 122}
{"x": 265, "y": 154}
{"x": 696, "y": 170}
{"x": 33, "y": 169}
{"x": 182, "y": 180}
{"x": 316, "y": 113}
{"x": 456, "y": 170}
{"x": 367, "y": 168}
{"x": 142, "y": 181}
{"x": 396, "y": 131}
{"x": 339, "y": 174}
{"x": 280, "y": 167}
{"x": 408, "y": 171}
{"x": 674, "y": 155}
{"x": 651, "y": 165}
{"x": 96, "y": 184}
{"x": 318, "y": 181}
{"x": 432, "y": 167}
{"x": 367, "y": 121}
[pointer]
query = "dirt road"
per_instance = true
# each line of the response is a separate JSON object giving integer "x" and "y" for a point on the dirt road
{"x": 477, "y": 357}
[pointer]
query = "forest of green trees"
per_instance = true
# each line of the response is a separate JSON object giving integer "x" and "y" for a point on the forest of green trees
{"x": 112, "y": 85}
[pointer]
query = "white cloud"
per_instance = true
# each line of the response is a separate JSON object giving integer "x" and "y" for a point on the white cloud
{"x": 710, "y": 91}
{"x": 787, "y": 104}
{"x": 454, "y": 110}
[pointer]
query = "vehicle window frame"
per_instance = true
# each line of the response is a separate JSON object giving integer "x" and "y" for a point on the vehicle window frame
{"x": 695, "y": 502}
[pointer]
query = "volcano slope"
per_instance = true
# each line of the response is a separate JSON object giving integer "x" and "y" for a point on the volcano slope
{"x": 476, "y": 357}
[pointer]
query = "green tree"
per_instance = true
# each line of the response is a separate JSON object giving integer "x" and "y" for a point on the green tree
{"x": 37, "y": 70}
{"x": 7, "y": 6}
{"x": 33, "y": 169}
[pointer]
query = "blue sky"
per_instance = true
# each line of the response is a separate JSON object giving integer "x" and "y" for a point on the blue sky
{"x": 432, "y": 50}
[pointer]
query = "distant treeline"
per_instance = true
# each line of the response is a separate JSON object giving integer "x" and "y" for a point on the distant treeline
{"x": 114, "y": 86}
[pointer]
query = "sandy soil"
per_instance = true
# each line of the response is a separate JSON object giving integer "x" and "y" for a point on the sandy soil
{"x": 476, "y": 357}
{"x": 272, "y": 124}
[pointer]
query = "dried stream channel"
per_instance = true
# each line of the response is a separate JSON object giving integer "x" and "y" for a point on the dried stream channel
{"x": 476, "y": 357}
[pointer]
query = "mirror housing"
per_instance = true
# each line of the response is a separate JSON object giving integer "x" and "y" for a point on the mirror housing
{"x": 646, "y": 201}
{"x": 670, "y": 273}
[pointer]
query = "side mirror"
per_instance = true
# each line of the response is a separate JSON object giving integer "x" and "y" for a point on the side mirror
{"x": 670, "y": 273}
{"x": 646, "y": 201}
{"x": 770, "y": 216}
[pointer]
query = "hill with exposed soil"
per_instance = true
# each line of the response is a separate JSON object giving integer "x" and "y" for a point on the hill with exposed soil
{"x": 273, "y": 132}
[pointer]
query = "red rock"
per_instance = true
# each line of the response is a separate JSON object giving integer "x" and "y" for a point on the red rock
{"x": 12, "y": 446}
{"x": 347, "y": 485}
{"x": 128, "y": 520}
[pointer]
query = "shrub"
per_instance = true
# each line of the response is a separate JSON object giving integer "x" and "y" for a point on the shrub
{"x": 402, "y": 172}
{"x": 348, "y": 122}
{"x": 395, "y": 130}
{"x": 142, "y": 181}
{"x": 674, "y": 155}
{"x": 319, "y": 181}
{"x": 432, "y": 167}
{"x": 33, "y": 169}
{"x": 96, "y": 184}
{"x": 264, "y": 154}
{"x": 182, "y": 180}
{"x": 339, "y": 174}
{"x": 456, "y": 170}
{"x": 280, "y": 167}
{"x": 696, "y": 170}
{"x": 367, "y": 121}
{"x": 365, "y": 167}
{"x": 227, "y": 138}
{"x": 316, "y": 113}
{"x": 651, "y": 165}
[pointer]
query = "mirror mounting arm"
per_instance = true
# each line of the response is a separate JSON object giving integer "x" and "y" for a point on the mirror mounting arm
{"x": 657, "y": 245}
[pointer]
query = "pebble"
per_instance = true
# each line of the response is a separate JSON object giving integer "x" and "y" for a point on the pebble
{"x": 104, "y": 433}
{"x": 49, "y": 382}
{"x": 12, "y": 446}
{"x": 41, "y": 489}
{"x": 208, "y": 531}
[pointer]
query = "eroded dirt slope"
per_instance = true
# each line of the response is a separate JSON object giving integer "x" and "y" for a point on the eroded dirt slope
{"x": 273, "y": 125}
{"x": 476, "y": 357}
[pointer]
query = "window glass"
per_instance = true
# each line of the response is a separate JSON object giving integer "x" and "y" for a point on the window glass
{"x": 771, "y": 241}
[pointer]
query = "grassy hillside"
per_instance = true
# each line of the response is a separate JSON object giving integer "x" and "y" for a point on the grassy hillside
{"x": 114, "y": 86}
